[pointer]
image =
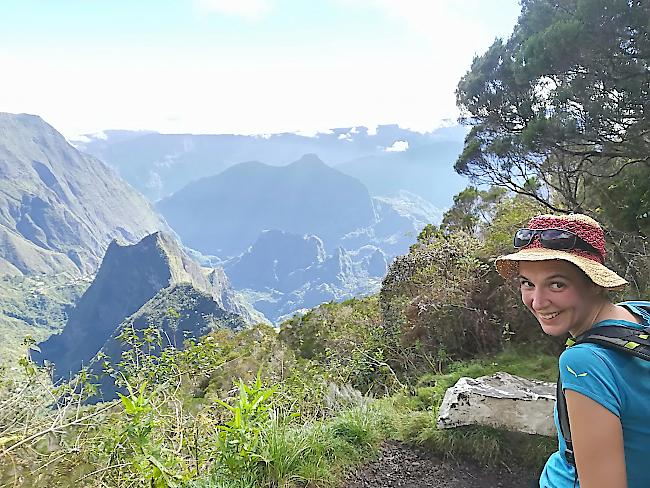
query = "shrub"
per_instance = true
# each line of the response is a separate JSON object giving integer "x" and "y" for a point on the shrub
{"x": 434, "y": 300}
{"x": 348, "y": 343}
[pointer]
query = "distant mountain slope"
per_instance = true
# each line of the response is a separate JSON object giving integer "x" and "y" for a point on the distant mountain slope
{"x": 20, "y": 256}
{"x": 129, "y": 277}
{"x": 397, "y": 222}
{"x": 272, "y": 258}
{"x": 59, "y": 208}
{"x": 224, "y": 214}
{"x": 161, "y": 164}
{"x": 295, "y": 236}
{"x": 282, "y": 273}
{"x": 426, "y": 170}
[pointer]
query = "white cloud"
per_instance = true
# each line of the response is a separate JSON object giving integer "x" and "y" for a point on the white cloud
{"x": 349, "y": 136}
{"x": 311, "y": 132}
{"x": 81, "y": 139}
{"x": 398, "y": 146}
{"x": 252, "y": 10}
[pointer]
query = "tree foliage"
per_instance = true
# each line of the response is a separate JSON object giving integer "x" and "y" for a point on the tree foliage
{"x": 563, "y": 102}
{"x": 471, "y": 209}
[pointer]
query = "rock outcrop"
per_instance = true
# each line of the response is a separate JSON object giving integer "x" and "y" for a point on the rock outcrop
{"x": 60, "y": 208}
{"x": 128, "y": 278}
{"x": 273, "y": 259}
{"x": 502, "y": 401}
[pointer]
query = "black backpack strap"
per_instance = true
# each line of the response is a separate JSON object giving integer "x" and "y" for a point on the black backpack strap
{"x": 629, "y": 340}
{"x": 563, "y": 418}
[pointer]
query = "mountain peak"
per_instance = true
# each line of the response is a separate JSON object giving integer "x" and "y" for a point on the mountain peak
{"x": 30, "y": 118}
{"x": 129, "y": 276}
{"x": 304, "y": 197}
{"x": 309, "y": 159}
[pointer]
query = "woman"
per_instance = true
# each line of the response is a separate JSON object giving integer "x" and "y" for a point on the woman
{"x": 564, "y": 282}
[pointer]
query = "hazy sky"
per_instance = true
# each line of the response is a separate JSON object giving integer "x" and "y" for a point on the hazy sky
{"x": 241, "y": 66}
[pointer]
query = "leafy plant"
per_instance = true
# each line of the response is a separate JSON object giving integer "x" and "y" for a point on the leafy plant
{"x": 239, "y": 439}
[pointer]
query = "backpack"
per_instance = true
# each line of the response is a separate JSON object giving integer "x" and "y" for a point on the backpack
{"x": 629, "y": 340}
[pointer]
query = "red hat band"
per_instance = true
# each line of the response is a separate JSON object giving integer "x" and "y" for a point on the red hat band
{"x": 591, "y": 234}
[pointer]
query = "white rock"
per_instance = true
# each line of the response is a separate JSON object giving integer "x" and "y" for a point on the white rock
{"x": 502, "y": 401}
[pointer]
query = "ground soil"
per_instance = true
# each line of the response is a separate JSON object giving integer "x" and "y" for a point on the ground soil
{"x": 404, "y": 466}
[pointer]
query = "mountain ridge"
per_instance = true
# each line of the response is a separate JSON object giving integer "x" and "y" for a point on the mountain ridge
{"x": 54, "y": 199}
{"x": 159, "y": 165}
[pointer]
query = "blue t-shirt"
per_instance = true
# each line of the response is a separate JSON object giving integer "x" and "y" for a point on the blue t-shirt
{"x": 620, "y": 383}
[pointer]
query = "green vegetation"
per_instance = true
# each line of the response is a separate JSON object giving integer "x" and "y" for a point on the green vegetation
{"x": 562, "y": 102}
{"x": 174, "y": 425}
{"x": 303, "y": 405}
{"x": 300, "y": 406}
{"x": 34, "y": 306}
{"x": 167, "y": 429}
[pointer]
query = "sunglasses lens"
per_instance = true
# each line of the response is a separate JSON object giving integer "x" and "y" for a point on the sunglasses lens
{"x": 523, "y": 237}
{"x": 557, "y": 239}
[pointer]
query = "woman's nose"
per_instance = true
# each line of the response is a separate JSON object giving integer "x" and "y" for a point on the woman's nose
{"x": 540, "y": 300}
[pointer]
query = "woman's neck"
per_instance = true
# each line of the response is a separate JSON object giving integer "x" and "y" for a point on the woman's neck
{"x": 601, "y": 310}
{"x": 606, "y": 310}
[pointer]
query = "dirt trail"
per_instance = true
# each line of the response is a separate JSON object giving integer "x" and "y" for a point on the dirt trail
{"x": 404, "y": 466}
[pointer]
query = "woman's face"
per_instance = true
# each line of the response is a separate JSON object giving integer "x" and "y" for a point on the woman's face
{"x": 560, "y": 297}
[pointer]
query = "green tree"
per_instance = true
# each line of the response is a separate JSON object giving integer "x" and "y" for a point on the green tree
{"x": 471, "y": 209}
{"x": 562, "y": 103}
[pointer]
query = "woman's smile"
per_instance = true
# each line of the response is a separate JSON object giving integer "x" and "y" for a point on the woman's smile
{"x": 548, "y": 316}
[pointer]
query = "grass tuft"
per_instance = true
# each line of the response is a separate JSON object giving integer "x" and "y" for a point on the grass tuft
{"x": 317, "y": 454}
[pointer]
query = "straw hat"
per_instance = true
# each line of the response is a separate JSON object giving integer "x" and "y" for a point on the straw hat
{"x": 591, "y": 263}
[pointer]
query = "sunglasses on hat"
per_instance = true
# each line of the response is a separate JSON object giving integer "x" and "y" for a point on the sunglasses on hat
{"x": 559, "y": 239}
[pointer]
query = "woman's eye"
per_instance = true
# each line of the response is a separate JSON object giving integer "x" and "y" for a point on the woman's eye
{"x": 557, "y": 285}
{"x": 525, "y": 284}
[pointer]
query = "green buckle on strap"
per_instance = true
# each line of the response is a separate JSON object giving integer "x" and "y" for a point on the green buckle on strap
{"x": 632, "y": 345}
{"x": 570, "y": 342}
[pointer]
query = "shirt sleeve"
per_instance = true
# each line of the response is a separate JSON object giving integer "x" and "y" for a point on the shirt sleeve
{"x": 582, "y": 369}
